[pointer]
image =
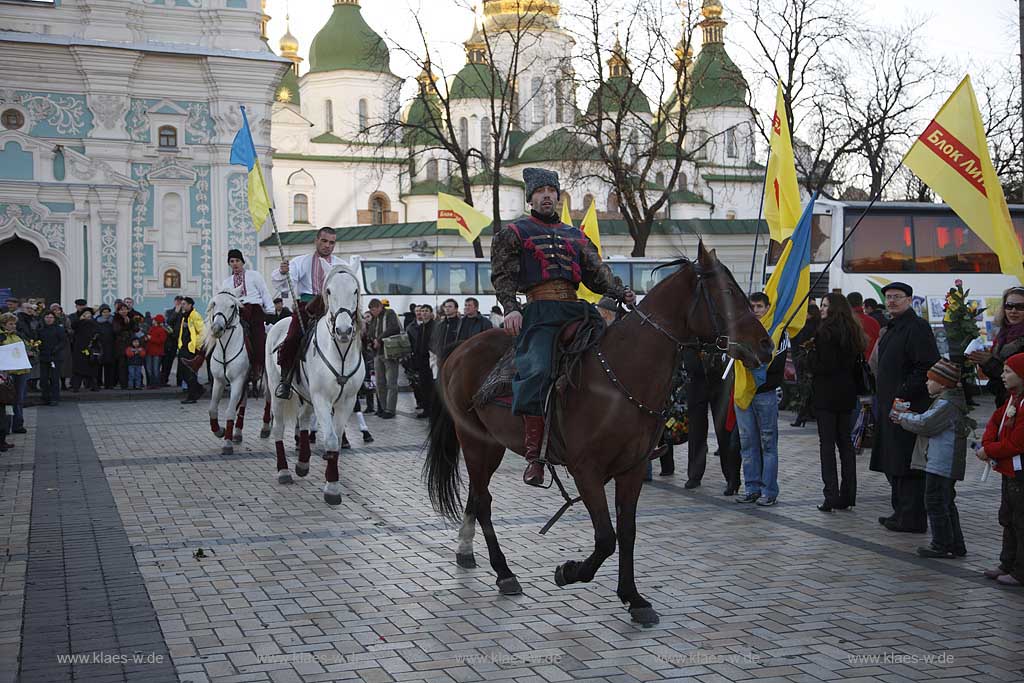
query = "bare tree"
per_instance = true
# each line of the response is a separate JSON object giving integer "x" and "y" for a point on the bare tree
{"x": 619, "y": 139}
{"x": 999, "y": 96}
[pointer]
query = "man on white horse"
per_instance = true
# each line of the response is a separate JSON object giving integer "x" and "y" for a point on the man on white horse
{"x": 256, "y": 301}
{"x": 307, "y": 273}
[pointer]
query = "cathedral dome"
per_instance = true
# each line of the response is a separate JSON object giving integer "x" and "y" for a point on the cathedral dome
{"x": 346, "y": 42}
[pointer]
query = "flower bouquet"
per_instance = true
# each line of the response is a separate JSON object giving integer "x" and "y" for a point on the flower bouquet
{"x": 960, "y": 320}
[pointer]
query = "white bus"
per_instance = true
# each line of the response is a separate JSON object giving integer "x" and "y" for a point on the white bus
{"x": 925, "y": 245}
{"x": 427, "y": 280}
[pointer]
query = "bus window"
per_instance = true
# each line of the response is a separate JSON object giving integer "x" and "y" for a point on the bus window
{"x": 620, "y": 270}
{"x": 645, "y": 276}
{"x": 882, "y": 244}
{"x": 944, "y": 244}
{"x": 393, "y": 278}
{"x": 821, "y": 241}
{"x": 483, "y": 274}
{"x": 451, "y": 278}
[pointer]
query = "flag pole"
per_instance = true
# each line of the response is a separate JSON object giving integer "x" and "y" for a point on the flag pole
{"x": 846, "y": 239}
{"x": 757, "y": 230}
{"x": 291, "y": 286}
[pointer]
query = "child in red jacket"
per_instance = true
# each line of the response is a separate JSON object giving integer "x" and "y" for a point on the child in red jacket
{"x": 136, "y": 359}
{"x": 156, "y": 338}
{"x": 1002, "y": 446}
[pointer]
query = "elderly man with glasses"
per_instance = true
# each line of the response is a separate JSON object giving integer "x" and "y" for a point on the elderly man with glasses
{"x": 905, "y": 353}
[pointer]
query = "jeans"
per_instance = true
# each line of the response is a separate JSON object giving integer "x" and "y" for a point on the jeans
{"x": 153, "y": 370}
{"x": 939, "y": 501}
{"x": 20, "y": 390}
{"x": 834, "y": 433}
{"x": 135, "y": 377}
{"x": 49, "y": 381}
{"x": 387, "y": 383}
{"x": 759, "y": 444}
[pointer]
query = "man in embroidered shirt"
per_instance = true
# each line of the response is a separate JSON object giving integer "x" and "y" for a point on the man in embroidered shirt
{"x": 546, "y": 259}
{"x": 307, "y": 273}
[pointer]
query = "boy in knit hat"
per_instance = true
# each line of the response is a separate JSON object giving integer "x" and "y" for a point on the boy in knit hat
{"x": 941, "y": 451}
{"x": 1002, "y": 446}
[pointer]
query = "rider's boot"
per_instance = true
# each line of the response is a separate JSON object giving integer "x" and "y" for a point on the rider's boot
{"x": 196, "y": 362}
{"x": 534, "y": 432}
{"x": 284, "y": 388}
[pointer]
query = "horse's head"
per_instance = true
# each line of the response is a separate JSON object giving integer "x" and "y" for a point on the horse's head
{"x": 721, "y": 312}
{"x": 222, "y": 312}
{"x": 341, "y": 291}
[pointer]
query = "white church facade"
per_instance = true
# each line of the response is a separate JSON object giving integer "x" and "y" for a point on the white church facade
{"x": 116, "y": 123}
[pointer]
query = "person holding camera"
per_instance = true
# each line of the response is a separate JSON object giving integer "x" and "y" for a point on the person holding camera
{"x": 384, "y": 323}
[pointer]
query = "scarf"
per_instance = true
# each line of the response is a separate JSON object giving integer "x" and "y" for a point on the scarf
{"x": 318, "y": 274}
{"x": 239, "y": 281}
{"x": 1009, "y": 333}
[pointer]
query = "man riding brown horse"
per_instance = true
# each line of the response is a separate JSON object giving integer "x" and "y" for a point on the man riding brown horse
{"x": 546, "y": 259}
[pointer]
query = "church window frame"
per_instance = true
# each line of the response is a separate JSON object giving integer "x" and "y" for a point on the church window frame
{"x": 300, "y": 208}
{"x": 464, "y": 133}
{"x": 432, "y": 169}
{"x": 328, "y": 116}
{"x": 364, "y": 115}
{"x": 167, "y": 137}
{"x": 537, "y": 100}
{"x": 172, "y": 278}
{"x": 12, "y": 119}
{"x": 379, "y": 206}
{"x": 732, "y": 150}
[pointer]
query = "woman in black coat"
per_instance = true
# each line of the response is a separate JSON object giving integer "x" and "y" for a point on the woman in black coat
{"x": 832, "y": 358}
{"x": 107, "y": 376}
{"x": 86, "y": 352}
{"x": 53, "y": 338}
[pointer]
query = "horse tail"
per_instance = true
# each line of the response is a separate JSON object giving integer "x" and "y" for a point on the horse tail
{"x": 441, "y": 467}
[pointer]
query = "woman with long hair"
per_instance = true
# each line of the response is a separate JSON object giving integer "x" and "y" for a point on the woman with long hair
{"x": 832, "y": 358}
{"x": 1009, "y": 341}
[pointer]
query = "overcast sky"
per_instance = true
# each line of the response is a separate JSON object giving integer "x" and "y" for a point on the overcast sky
{"x": 983, "y": 32}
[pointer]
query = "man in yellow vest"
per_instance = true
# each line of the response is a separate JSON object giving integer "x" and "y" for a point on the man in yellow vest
{"x": 190, "y": 339}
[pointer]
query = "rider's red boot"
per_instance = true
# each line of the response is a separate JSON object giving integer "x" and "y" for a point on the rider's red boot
{"x": 534, "y": 432}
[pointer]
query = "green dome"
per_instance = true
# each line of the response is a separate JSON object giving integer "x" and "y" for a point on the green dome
{"x": 476, "y": 82}
{"x": 715, "y": 80}
{"x": 287, "y": 91}
{"x": 346, "y": 42}
{"x": 612, "y": 94}
{"x": 426, "y": 113}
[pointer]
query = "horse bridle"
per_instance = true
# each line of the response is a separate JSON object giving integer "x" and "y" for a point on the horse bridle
{"x": 230, "y": 324}
{"x": 721, "y": 343}
{"x": 341, "y": 377}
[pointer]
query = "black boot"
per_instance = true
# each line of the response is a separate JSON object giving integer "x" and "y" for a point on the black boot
{"x": 284, "y": 388}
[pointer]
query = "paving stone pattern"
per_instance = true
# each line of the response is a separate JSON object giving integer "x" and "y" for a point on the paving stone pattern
{"x": 289, "y": 589}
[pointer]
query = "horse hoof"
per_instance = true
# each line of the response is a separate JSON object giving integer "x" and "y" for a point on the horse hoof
{"x": 560, "y": 579}
{"x": 284, "y": 477}
{"x": 265, "y": 433}
{"x": 332, "y": 493}
{"x": 227, "y": 450}
{"x": 465, "y": 560}
{"x": 509, "y": 586}
{"x": 219, "y": 433}
{"x": 645, "y": 616}
{"x": 302, "y": 469}
{"x": 237, "y": 438}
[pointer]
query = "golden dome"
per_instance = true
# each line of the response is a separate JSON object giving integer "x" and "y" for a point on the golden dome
{"x": 712, "y": 9}
{"x": 289, "y": 44}
{"x": 521, "y": 7}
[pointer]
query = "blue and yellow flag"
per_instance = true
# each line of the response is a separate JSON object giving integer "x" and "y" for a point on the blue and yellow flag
{"x": 787, "y": 290}
{"x": 243, "y": 153}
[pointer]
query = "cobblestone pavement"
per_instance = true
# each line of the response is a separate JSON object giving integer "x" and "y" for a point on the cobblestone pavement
{"x": 104, "y": 506}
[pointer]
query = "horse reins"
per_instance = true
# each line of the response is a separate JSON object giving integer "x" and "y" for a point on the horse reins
{"x": 341, "y": 378}
{"x": 229, "y": 325}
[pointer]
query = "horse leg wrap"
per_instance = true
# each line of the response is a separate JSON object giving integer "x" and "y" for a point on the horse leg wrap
{"x": 332, "y": 466}
{"x": 304, "y": 446}
{"x": 229, "y": 430}
{"x": 241, "y": 417}
{"x": 266, "y": 412}
{"x": 282, "y": 461}
{"x": 214, "y": 425}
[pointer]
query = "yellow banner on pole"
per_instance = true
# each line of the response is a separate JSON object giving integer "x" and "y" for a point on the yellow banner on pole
{"x": 455, "y": 214}
{"x": 781, "y": 191}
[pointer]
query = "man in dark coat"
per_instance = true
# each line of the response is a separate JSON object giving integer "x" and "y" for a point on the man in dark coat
{"x": 173, "y": 318}
{"x": 420, "y": 332}
{"x": 905, "y": 353}
{"x": 53, "y": 336}
{"x": 86, "y": 351}
{"x": 706, "y": 390}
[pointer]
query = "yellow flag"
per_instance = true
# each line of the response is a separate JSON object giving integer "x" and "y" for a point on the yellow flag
{"x": 781, "y": 189}
{"x": 455, "y": 214}
{"x": 952, "y": 157}
{"x": 259, "y": 199}
{"x": 590, "y": 229}
{"x": 566, "y": 217}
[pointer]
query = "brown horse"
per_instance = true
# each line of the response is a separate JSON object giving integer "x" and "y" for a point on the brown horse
{"x": 608, "y": 424}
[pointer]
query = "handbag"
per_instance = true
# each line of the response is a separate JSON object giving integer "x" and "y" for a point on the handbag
{"x": 863, "y": 378}
{"x": 8, "y": 396}
{"x": 397, "y": 346}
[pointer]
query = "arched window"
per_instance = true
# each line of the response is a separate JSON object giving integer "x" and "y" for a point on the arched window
{"x": 432, "y": 169}
{"x": 537, "y": 99}
{"x": 300, "y": 209}
{"x": 379, "y": 207}
{"x": 168, "y": 137}
{"x": 364, "y": 115}
{"x": 659, "y": 179}
{"x": 464, "y": 133}
{"x": 682, "y": 182}
{"x": 172, "y": 279}
{"x": 172, "y": 227}
{"x": 559, "y": 101}
{"x": 486, "y": 143}
{"x": 613, "y": 202}
{"x": 588, "y": 199}
{"x": 731, "y": 148}
{"x": 328, "y": 116}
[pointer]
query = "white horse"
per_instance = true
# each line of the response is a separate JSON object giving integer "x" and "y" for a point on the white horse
{"x": 327, "y": 381}
{"x": 229, "y": 364}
